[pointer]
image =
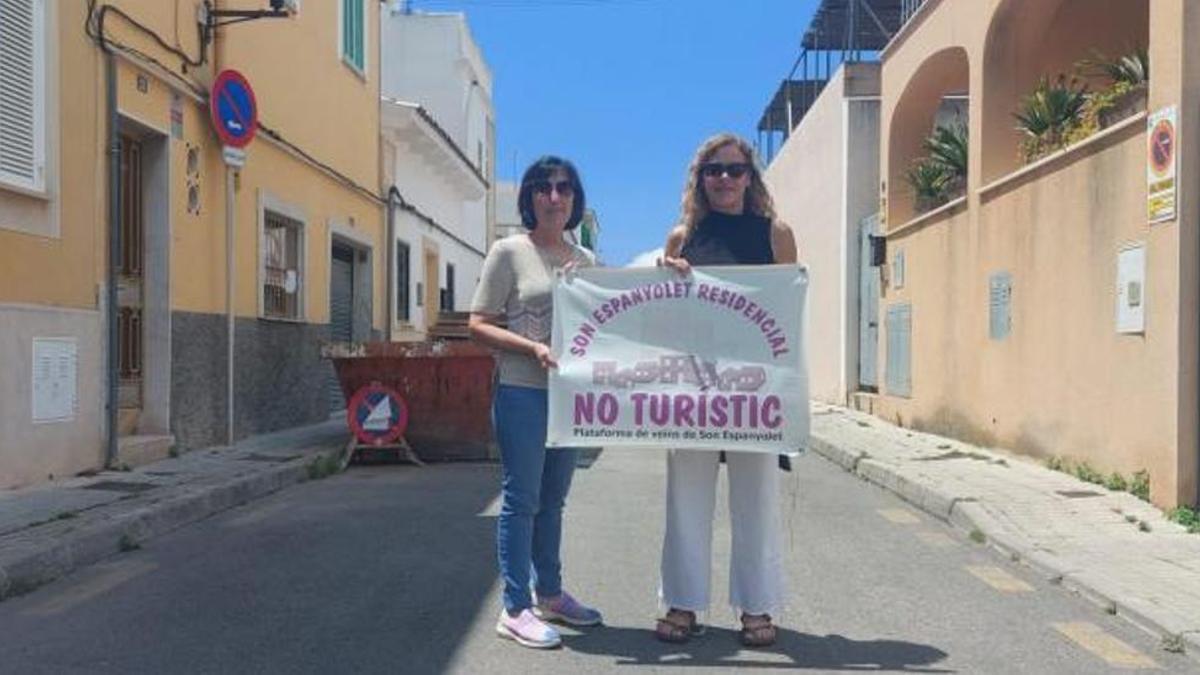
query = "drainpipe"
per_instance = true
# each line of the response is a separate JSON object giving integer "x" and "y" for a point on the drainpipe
{"x": 390, "y": 291}
{"x": 112, "y": 143}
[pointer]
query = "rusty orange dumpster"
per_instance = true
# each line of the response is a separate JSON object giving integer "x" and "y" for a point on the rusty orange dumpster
{"x": 446, "y": 384}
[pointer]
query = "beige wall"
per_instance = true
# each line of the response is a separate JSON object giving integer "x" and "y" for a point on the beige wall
{"x": 823, "y": 181}
{"x": 1064, "y": 382}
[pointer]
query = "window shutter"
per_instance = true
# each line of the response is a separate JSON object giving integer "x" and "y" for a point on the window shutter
{"x": 22, "y": 87}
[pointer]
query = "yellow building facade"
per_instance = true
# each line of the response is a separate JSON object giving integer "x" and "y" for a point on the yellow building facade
{"x": 308, "y": 228}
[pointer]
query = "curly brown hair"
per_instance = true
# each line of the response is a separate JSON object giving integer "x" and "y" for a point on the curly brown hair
{"x": 694, "y": 205}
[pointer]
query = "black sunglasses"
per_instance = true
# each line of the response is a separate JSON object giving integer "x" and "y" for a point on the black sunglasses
{"x": 564, "y": 188}
{"x": 717, "y": 169}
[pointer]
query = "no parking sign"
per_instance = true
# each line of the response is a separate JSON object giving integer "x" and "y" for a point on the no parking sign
{"x": 233, "y": 108}
{"x": 377, "y": 415}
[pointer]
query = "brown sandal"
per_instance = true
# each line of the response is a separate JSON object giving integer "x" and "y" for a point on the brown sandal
{"x": 757, "y": 630}
{"x": 678, "y": 626}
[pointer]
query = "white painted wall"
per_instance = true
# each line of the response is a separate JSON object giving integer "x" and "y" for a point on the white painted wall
{"x": 824, "y": 180}
{"x": 29, "y": 452}
{"x": 431, "y": 60}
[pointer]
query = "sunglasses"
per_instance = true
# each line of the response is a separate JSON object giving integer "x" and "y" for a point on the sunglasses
{"x": 545, "y": 187}
{"x": 717, "y": 169}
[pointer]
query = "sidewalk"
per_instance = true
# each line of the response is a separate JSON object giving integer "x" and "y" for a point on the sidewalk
{"x": 48, "y": 531}
{"x": 1110, "y": 547}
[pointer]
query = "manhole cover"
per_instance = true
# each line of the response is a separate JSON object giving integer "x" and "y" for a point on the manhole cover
{"x": 1079, "y": 494}
{"x": 120, "y": 486}
{"x": 255, "y": 457}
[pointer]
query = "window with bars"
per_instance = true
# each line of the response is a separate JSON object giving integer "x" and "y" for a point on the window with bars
{"x": 22, "y": 93}
{"x": 282, "y": 282}
{"x": 354, "y": 34}
{"x": 403, "y": 279}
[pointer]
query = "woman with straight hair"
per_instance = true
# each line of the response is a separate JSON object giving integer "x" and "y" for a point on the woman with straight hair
{"x": 514, "y": 288}
{"x": 728, "y": 218}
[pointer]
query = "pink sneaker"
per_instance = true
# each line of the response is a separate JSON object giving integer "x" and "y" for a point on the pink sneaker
{"x": 567, "y": 609}
{"x": 528, "y": 630}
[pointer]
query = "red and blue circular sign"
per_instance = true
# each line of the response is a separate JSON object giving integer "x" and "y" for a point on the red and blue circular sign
{"x": 377, "y": 414}
{"x": 233, "y": 109}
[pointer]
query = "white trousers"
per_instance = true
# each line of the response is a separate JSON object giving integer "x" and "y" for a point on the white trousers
{"x": 756, "y": 556}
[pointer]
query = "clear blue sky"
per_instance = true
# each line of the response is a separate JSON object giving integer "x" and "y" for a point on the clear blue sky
{"x": 627, "y": 89}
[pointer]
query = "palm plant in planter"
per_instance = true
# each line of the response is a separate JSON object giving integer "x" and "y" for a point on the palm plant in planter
{"x": 929, "y": 181}
{"x": 1129, "y": 77}
{"x": 1048, "y": 115}
{"x": 947, "y": 147}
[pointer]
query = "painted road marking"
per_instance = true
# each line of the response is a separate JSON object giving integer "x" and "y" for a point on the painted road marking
{"x": 999, "y": 579}
{"x": 936, "y": 539}
{"x": 900, "y": 516}
{"x": 1093, "y": 638}
{"x": 105, "y": 578}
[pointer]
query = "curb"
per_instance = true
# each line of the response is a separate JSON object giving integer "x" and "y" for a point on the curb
{"x": 30, "y": 564}
{"x": 965, "y": 513}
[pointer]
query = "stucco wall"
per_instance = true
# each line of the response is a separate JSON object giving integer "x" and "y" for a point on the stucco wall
{"x": 30, "y": 452}
{"x": 1063, "y": 382}
{"x": 823, "y": 181}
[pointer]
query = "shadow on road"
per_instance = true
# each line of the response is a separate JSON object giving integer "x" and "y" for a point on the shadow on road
{"x": 720, "y": 647}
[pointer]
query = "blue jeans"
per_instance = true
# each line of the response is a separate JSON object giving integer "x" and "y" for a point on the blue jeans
{"x": 535, "y": 481}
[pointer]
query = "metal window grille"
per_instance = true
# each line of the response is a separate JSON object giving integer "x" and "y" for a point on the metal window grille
{"x": 281, "y": 266}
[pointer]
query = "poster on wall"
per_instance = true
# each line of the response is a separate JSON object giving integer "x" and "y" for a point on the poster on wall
{"x": 1161, "y": 160}
{"x": 648, "y": 358}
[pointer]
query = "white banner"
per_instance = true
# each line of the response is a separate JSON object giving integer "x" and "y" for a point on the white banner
{"x": 715, "y": 360}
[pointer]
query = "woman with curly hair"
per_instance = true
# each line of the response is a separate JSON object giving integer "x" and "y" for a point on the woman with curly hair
{"x": 728, "y": 218}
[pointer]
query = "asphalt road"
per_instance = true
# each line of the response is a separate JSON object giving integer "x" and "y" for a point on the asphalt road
{"x": 391, "y": 569}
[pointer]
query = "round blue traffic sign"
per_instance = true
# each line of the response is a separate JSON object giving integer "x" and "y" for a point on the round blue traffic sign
{"x": 377, "y": 414}
{"x": 233, "y": 109}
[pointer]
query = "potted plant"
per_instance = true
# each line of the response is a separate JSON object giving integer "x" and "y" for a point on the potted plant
{"x": 1048, "y": 115}
{"x": 947, "y": 147}
{"x": 929, "y": 181}
{"x": 1129, "y": 78}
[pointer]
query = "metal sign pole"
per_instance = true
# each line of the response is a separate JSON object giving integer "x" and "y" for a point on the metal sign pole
{"x": 229, "y": 272}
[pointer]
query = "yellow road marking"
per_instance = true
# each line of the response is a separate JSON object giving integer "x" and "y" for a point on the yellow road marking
{"x": 935, "y": 539}
{"x": 100, "y": 580}
{"x": 999, "y": 579}
{"x": 899, "y": 516}
{"x": 1093, "y": 638}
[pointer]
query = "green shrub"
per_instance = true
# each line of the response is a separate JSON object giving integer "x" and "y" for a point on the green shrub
{"x": 1140, "y": 485}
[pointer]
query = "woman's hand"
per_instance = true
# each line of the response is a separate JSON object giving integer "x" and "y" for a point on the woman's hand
{"x": 542, "y": 353}
{"x": 680, "y": 265}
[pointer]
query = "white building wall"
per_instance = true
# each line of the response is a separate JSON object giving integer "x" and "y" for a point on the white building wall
{"x": 35, "y": 451}
{"x": 432, "y": 61}
{"x": 824, "y": 180}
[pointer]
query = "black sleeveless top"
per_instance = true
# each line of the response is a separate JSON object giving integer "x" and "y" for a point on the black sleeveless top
{"x": 724, "y": 239}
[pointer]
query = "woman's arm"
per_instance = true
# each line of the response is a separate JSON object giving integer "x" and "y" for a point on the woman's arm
{"x": 483, "y": 329}
{"x": 671, "y": 251}
{"x": 783, "y": 243}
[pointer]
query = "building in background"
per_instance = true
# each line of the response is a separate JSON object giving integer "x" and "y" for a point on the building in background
{"x": 1046, "y": 298}
{"x": 820, "y": 132}
{"x": 438, "y": 149}
{"x": 308, "y": 225}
